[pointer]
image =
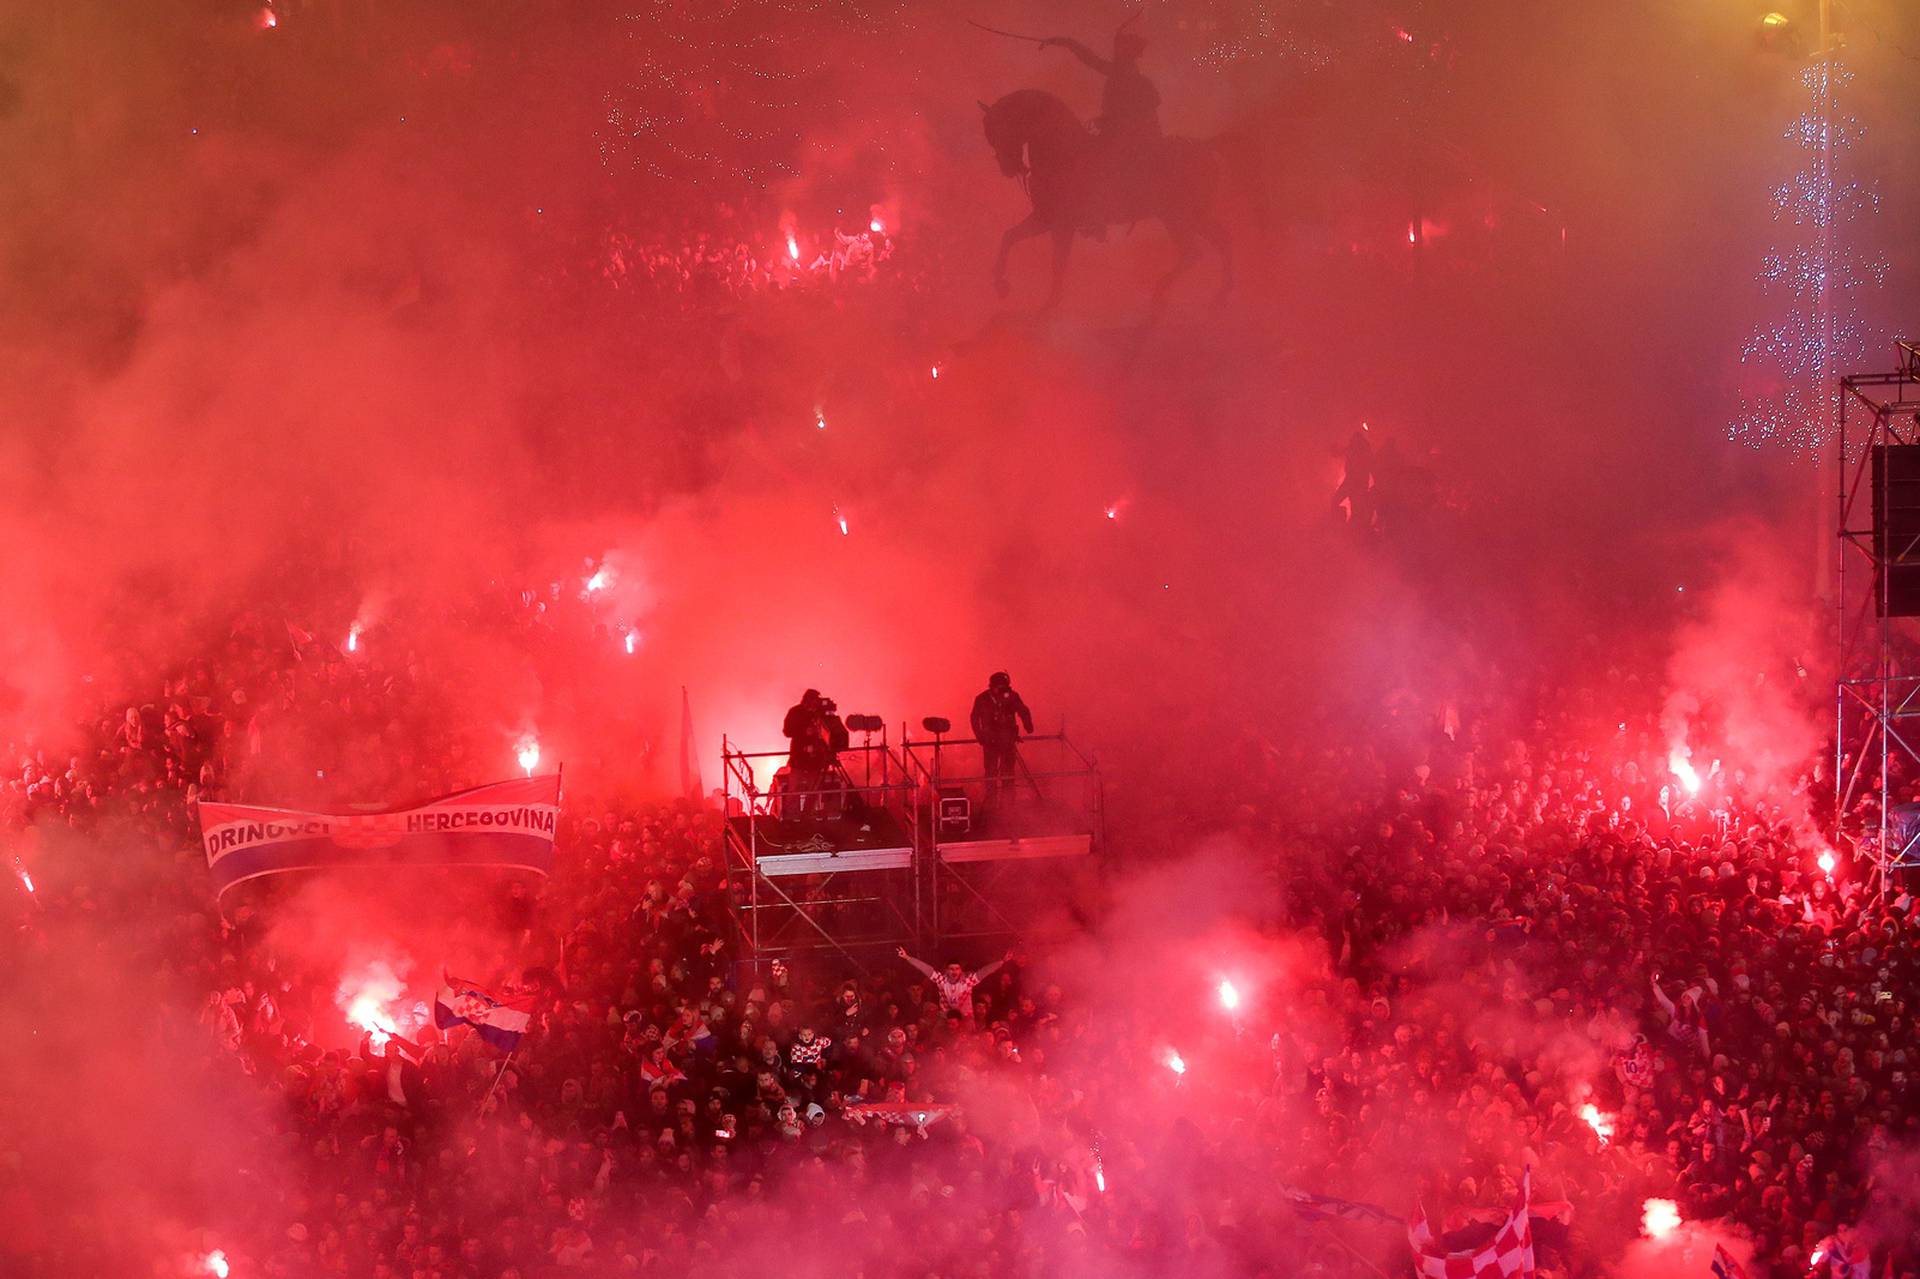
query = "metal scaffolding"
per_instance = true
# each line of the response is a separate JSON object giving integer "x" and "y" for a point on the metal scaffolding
{"x": 1877, "y": 685}
{"x": 915, "y": 846}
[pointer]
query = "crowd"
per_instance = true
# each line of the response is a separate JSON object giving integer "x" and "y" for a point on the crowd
{"x": 725, "y": 264}
{"x": 1489, "y": 939}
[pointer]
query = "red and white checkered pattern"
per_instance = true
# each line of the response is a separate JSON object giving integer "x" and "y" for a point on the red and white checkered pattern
{"x": 1508, "y": 1256}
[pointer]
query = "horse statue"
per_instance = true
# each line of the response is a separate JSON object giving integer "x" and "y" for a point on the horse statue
{"x": 1078, "y": 181}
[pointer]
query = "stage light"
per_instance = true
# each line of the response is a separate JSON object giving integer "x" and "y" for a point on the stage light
{"x": 865, "y": 723}
{"x": 935, "y": 725}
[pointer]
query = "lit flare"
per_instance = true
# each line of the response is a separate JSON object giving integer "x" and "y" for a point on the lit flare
{"x": 1684, "y": 770}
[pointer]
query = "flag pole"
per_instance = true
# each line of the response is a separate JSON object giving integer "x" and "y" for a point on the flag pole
{"x": 497, "y": 1076}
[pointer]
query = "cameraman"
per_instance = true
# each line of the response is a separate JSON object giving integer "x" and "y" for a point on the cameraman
{"x": 816, "y": 735}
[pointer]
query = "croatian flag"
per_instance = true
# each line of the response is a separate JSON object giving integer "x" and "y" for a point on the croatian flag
{"x": 1508, "y": 1256}
{"x": 497, "y": 1019}
{"x": 1725, "y": 1267}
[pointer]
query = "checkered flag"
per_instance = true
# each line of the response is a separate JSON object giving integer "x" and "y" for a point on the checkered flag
{"x": 1509, "y": 1255}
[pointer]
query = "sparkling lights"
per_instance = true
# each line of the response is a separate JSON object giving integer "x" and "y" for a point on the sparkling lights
{"x": 1816, "y": 273}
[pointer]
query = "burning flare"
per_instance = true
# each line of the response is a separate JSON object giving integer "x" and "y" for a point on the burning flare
{"x": 529, "y": 755}
{"x": 1659, "y": 1218}
{"x": 633, "y": 641}
{"x": 1683, "y": 769}
{"x": 1827, "y": 863}
{"x": 353, "y": 638}
{"x": 1176, "y": 1063}
{"x": 1602, "y": 1125}
{"x": 367, "y": 998}
{"x": 1229, "y": 997}
{"x": 216, "y": 1264}
{"x": 599, "y": 580}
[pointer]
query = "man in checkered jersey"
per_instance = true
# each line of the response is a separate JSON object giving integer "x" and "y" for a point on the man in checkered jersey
{"x": 955, "y": 983}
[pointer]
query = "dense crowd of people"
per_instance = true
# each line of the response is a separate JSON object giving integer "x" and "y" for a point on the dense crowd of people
{"x": 1474, "y": 952}
{"x": 727, "y": 263}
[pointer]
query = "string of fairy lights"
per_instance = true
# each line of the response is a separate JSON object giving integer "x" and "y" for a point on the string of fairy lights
{"x": 1819, "y": 271}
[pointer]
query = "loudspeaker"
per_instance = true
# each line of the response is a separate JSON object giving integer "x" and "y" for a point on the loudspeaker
{"x": 1896, "y": 527}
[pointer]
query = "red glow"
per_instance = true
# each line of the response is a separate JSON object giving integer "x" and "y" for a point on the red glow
{"x": 1405, "y": 36}
{"x": 268, "y": 21}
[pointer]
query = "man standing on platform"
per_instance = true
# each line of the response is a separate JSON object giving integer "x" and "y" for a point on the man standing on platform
{"x": 998, "y": 717}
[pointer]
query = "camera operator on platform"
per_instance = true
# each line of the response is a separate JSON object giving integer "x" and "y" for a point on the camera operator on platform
{"x": 816, "y": 735}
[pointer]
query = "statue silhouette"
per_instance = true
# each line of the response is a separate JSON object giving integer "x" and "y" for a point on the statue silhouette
{"x": 1082, "y": 180}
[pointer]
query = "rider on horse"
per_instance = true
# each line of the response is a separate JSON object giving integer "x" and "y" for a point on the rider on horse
{"x": 1129, "y": 122}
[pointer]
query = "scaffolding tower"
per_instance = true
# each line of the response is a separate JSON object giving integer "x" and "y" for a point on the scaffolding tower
{"x": 914, "y": 846}
{"x": 1877, "y": 684}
